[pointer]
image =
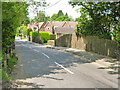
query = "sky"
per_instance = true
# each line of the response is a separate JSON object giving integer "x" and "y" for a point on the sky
{"x": 62, "y": 5}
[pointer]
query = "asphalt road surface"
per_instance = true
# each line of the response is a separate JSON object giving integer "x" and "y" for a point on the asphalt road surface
{"x": 40, "y": 67}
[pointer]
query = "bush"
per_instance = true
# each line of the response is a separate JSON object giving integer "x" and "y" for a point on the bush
{"x": 44, "y": 35}
{"x": 30, "y": 33}
{"x": 52, "y": 37}
{"x": 5, "y": 76}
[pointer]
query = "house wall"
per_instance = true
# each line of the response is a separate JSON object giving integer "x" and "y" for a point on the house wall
{"x": 89, "y": 43}
{"x": 50, "y": 30}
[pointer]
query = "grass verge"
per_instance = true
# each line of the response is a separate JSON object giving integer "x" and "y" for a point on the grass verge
{"x": 45, "y": 43}
{"x": 6, "y": 71}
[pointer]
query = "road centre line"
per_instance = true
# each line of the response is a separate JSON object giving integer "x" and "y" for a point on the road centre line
{"x": 45, "y": 55}
{"x": 64, "y": 68}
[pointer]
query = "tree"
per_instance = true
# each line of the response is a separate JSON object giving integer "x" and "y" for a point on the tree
{"x": 101, "y": 17}
{"x": 61, "y": 17}
{"x": 60, "y": 13}
{"x": 66, "y": 17}
{"x": 53, "y": 17}
{"x": 13, "y": 14}
{"x": 22, "y": 29}
{"x": 41, "y": 17}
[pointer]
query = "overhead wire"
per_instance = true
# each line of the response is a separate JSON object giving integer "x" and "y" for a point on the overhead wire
{"x": 52, "y": 5}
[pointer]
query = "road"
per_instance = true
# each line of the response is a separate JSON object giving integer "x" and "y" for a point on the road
{"x": 40, "y": 67}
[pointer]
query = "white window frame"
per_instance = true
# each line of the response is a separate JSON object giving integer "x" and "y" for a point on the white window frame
{"x": 48, "y": 28}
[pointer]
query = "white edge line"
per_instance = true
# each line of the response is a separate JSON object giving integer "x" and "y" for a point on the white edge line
{"x": 64, "y": 68}
{"x": 45, "y": 55}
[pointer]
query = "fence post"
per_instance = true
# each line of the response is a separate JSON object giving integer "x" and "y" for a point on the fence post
{"x": 14, "y": 50}
{"x": 8, "y": 57}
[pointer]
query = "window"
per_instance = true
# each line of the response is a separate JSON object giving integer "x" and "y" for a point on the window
{"x": 48, "y": 28}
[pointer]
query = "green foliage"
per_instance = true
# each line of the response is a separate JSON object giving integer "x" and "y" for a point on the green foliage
{"x": 22, "y": 29}
{"x": 53, "y": 17}
{"x": 98, "y": 18}
{"x": 116, "y": 33}
{"x": 12, "y": 62}
{"x": 28, "y": 32}
{"x": 5, "y": 76}
{"x": 45, "y": 43}
{"x": 13, "y": 14}
{"x": 60, "y": 13}
{"x": 44, "y": 35}
{"x": 52, "y": 37}
{"x": 60, "y": 17}
{"x": 41, "y": 17}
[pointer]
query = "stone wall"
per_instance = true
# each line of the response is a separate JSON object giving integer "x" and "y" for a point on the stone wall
{"x": 51, "y": 42}
{"x": 89, "y": 43}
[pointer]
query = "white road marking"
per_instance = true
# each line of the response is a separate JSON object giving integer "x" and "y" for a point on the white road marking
{"x": 36, "y": 50}
{"x": 64, "y": 68}
{"x": 45, "y": 55}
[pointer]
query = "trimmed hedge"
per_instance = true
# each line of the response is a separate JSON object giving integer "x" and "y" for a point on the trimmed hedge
{"x": 52, "y": 37}
{"x": 44, "y": 35}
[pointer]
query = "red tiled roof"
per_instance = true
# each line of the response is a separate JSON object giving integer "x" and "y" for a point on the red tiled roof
{"x": 61, "y": 23}
{"x": 57, "y": 23}
{"x": 68, "y": 30}
{"x": 35, "y": 24}
{"x": 40, "y": 24}
{"x": 71, "y": 23}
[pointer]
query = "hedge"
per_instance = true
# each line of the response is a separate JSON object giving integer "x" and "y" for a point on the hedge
{"x": 52, "y": 37}
{"x": 44, "y": 35}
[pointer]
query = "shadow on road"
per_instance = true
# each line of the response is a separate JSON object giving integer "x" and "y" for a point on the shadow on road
{"x": 38, "y": 66}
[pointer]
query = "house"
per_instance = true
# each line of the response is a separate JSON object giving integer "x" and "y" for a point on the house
{"x": 70, "y": 24}
{"x": 60, "y": 31}
{"x": 35, "y": 26}
{"x": 30, "y": 26}
{"x": 55, "y": 27}
{"x": 52, "y": 25}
